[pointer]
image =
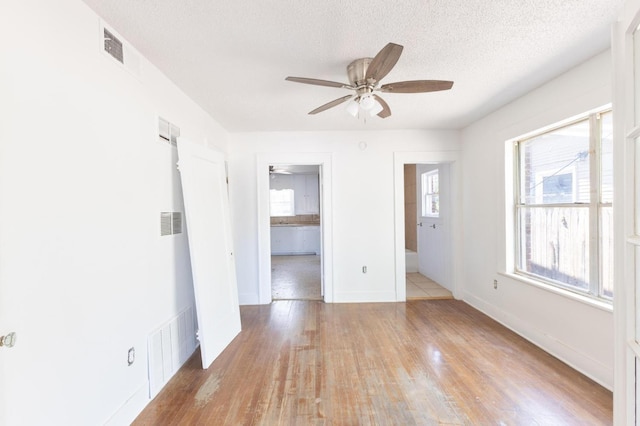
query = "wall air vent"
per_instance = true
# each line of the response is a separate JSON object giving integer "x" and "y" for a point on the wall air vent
{"x": 113, "y": 46}
{"x": 176, "y": 222}
{"x": 168, "y": 132}
{"x": 165, "y": 223}
{"x": 170, "y": 223}
{"x": 116, "y": 47}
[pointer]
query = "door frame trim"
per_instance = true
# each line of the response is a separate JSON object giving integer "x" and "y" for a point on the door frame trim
{"x": 455, "y": 204}
{"x": 263, "y": 161}
{"x": 625, "y": 382}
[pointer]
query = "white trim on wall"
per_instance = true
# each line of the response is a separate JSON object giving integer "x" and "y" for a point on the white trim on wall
{"x": 264, "y": 160}
{"x": 399, "y": 160}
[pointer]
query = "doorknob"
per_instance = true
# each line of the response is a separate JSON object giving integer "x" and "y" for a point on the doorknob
{"x": 9, "y": 340}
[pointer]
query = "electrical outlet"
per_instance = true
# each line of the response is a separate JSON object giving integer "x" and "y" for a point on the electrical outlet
{"x": 131, "y": 356}
{"x": 495, "y": 284}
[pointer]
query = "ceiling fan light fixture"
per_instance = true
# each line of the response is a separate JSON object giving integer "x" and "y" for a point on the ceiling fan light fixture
{"x": 376, "y": 109}
{"x": 353, "y": 107}
{"x": 367, "y": 103}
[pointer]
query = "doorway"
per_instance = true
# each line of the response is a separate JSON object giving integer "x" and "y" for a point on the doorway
{"x": 426, "y": 231}
{"x": 264, "y": 160}
{"x": 443, "y": 240}
{"x": 295, "y": 224}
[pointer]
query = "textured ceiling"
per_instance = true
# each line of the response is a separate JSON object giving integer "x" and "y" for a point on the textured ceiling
{"x": 232, "y": 56}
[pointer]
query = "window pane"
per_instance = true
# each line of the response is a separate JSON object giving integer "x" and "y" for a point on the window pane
{"x": 554, "y": 244}
{"x": 606, "y": 160}
{"x": 432, "y": 203}
{"x": 555, "y": 166}
{"x": 434, "y": 186}
{"x": 281, "y": 202}
{"x": 430, "y": 191}
{"x": 606, "y": 252}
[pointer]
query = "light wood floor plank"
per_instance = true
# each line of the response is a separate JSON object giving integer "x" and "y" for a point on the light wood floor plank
{"x": 415, "y": 363}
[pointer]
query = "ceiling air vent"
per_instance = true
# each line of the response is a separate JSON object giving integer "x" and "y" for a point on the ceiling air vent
{"x": 113, "y": 46}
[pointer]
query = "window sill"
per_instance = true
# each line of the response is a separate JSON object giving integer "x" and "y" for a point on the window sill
{"x": 602, "y": 305}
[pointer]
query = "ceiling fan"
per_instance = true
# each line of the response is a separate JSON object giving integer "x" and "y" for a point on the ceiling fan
{"x": 274, "y": 171}
{"x": 364, "y": 78}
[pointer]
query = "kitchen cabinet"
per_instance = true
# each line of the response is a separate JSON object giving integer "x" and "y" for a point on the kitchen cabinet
{"x": 310, "y": 239}
{"x": 306, "y": 194}
{"x": 295, "y": 240}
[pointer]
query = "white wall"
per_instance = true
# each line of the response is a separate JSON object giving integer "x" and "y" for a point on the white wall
{"x": 578, "y": 333}
{"x": 84, "y": 274}
{"x": 363, "y": 203}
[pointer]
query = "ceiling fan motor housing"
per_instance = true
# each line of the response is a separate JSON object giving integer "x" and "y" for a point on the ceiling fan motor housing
{"x": 357, "y": 72}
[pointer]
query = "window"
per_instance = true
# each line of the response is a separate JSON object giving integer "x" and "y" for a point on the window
{"x": 563, "y": 206}
{"x": 430, "y": 194}
{"x": 281, "y": 202}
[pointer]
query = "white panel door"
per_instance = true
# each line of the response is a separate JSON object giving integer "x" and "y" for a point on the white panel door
{"x": 204, "y": 185}
{"x": 434, "y": 258}
{"x": 626, "y": 113}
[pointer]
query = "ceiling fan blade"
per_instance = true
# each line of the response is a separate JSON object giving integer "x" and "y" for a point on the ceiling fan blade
{"x": 317, "y": 82}
{"x": 384, "y": 61}
{"x": 331, "y": 104}
{"x": 386, "y": 111}
{"x": 416, "y": 86}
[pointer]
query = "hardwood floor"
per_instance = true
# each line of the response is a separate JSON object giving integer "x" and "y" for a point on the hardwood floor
{"x": 424, "y": 362}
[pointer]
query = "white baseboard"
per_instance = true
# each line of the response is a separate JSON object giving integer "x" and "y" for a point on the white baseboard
{"x": 577, "y": 360}
{"x": 248, "y": 299}
{"x": 131, "y": 408}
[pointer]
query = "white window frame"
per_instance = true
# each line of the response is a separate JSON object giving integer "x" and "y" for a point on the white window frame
{"x": 427, "y": 195}
{"x": 595, "y": 205}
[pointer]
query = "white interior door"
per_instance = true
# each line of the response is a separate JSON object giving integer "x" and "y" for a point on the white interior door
{"x": 433, "y": 229}
{"x": 626, "y": 113}
{"x": 204, "y": 184}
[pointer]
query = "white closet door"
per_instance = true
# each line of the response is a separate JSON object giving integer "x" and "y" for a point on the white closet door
{"x": 204, "y": 185}
{"x": 626, "y": 110}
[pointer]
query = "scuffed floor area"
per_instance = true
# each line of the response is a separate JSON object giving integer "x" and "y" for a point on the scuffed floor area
{"x": 296, "y": 277}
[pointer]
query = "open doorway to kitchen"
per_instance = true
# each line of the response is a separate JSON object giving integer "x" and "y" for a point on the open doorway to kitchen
{"x": 295, "y": 232}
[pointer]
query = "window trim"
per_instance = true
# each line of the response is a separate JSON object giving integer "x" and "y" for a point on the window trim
{"x": 425, "y": 176}
{"x": 595, "y": 291}
{"x": 599, "y": 303}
